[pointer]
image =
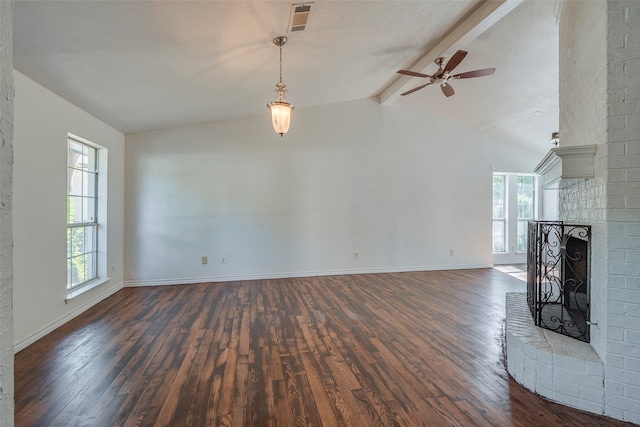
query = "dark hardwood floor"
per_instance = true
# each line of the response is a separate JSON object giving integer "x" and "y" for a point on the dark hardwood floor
{"x": 405, "y": 349}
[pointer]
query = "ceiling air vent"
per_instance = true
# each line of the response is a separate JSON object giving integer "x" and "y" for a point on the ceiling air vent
{"x": 299, "y": 16}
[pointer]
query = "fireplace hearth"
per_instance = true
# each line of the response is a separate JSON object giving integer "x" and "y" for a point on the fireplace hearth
{"x": 558, "y": 274}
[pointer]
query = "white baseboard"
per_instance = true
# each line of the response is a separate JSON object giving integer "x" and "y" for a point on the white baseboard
{"x": 193, "y": 280}
{"x": 78, "y": 311}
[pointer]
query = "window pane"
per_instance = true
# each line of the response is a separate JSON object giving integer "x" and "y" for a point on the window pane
{"x": 498, "y": 196}
{"x": 89, "y": 184}
{"x": 526, "y": 193}
{"x": 74, "y": 210}
{"x": 522, "y": 236}
{"x": 526, "y": 209}
{"x": 77, "y": 241}
{"x": 498, "y": 236}
{"x": 75, "y": 152}
{"x": 82, "y": 252}
{"x": 499, "y": 184}
{"x": 88, "y": 209}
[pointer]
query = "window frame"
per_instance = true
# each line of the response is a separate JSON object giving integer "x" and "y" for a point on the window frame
{"x": 94, "y": 223}
{"x": 503, "y": 219}
{"x": 511, "y": 252}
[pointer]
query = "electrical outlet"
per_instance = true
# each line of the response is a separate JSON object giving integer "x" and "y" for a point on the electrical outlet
{"x": 131, "y": 275}
{"x": 113, "y": 268}
{"x": 356, "y": 255}
{"x": 223, "y": 260}
{"x": 451, "y": 252}
{"x": 205, "y": 260}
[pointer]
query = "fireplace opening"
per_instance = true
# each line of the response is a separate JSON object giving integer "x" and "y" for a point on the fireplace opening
{"x": 558, "y": 273}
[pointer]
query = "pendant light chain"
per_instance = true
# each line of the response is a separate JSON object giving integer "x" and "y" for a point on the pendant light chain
{"x": 280, "y": 62}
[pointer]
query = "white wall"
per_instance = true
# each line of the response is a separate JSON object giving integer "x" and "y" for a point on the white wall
{"x": 42, "y": 121}
{"x": 391, "y": 182}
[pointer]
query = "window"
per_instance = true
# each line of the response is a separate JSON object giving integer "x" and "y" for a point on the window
{"x": 526, "y": 205}
{"x": 499, "y": 220}
{"x": 82, "y": 207}
{"x": 514, "y": 204}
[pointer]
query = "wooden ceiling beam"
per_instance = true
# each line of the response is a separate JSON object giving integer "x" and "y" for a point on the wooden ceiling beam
{"x": 469, "y": 27}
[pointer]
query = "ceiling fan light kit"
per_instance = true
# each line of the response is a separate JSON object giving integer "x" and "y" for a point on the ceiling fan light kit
{"x": 280, "y": 108}
{"x": 443, "y": 75}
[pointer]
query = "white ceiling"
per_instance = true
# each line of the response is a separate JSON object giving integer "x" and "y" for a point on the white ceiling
{"x": 140, "y": 65}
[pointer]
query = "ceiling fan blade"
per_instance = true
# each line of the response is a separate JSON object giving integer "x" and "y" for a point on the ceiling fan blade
{"x": 455, "y": 60}
{"x": 413, "y": 73}
{"x": 414, "y": 89}
{"x": 476, "y": 73}
{"x": 447, "y": 89}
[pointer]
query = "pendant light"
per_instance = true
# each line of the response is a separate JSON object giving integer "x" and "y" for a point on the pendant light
{"x": 280, "y": 108}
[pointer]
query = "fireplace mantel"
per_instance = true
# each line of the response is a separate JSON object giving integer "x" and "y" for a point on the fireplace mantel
{"x": 567, "y": 163}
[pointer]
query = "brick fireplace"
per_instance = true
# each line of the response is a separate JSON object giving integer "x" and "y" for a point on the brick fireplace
{"x": 599, "y": 108}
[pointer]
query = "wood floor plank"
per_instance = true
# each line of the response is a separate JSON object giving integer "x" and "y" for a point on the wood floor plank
{"x": 400, "y": 349}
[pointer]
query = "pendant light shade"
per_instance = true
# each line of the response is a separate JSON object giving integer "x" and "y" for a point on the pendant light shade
{"x": 280, "y": 108}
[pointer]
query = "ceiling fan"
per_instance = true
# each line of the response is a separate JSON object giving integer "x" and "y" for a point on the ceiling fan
{"x": 443, "y": 75}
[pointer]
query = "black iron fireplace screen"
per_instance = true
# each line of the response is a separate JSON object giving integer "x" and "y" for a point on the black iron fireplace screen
{"x": 558, "y": 277}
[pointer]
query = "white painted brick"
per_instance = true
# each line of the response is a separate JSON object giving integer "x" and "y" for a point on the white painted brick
{"x": 619, "y": 148}
{"x": 622, "y": 109}
{"x": 633, "y": 229}
{"x": 595, "y": 369}
{"x": 625, "y": 242}
{"x": 633, "y": 257}
{"x": 623, "y": 162}
{"x": 632, "y": 364}
{"x": 529, "y": 380}
{"x": 614, "y": 387}
{"x": 594, "y": 395}
{"x": 617, "y": 307}
{"x": 578, "y": 366}
{"x": 614, "y": 333}
{"x": 576, "y": 378}
{"x": 623, "y": 403}
{"x": 623, "y": 188}
{"x": 632, "y": 392}
{"x": 632, "y": 147}
{"x": 613, "y": 412}
{"x": 623, "y": 376}
{"x": 632, "y": 337}
{"x": 632, "y": 174}
{"x": 622, "y": 349}
{"x": 632, "y": 202}
{"x": 544, "y": 369}
{"x": 632, "y": 283}
{"x": 632, "y": 93}
{"x": 632, "y": 67}
{"x": 618, "y": 122}
{"x": 632, "y": 416}
{"x": 544, "y": 391}
{"x": 566, "y": 388}
{"x": 586, "y": 405}
{"x": 615, "y": 361}
{"x": 633, "y": 310}
{"x": 616, "y": 201}
{"x": 545, "y": 358}
{"x": 568, "y": 399}
{"x": 633, "y": 40}
{"x": 616, "y": 175}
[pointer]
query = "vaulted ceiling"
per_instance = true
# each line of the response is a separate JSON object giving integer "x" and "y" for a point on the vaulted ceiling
{"x": 140, "y": 65}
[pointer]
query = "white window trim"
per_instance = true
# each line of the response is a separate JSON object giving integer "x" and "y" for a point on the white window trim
{"x": 101, "y": 215}
{"x": 511, "y": 255}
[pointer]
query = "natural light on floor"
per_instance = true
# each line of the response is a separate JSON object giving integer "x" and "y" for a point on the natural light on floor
{"x": 519, "y": 271}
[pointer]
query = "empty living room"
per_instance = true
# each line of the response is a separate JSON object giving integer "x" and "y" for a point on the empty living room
{"x": 331, "y": 213}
